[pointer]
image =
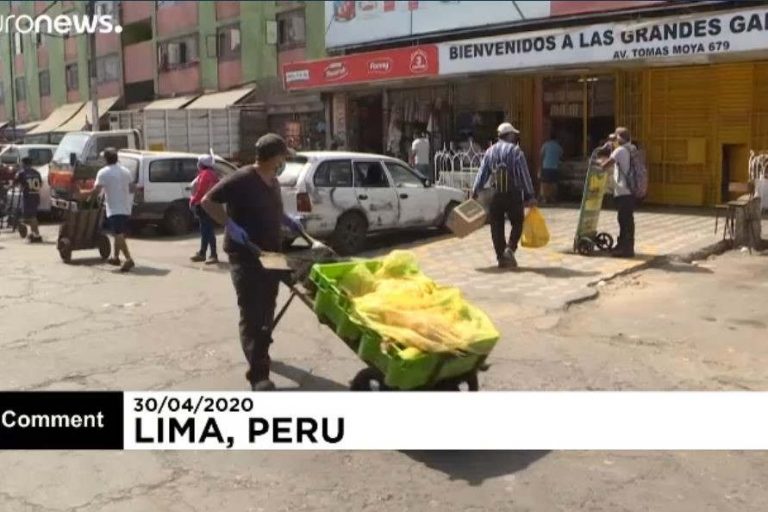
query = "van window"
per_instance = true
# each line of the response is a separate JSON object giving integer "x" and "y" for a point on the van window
{"x": 132, "y": 165}
{"x": 188, "y": 170}
{"x": 163, "y": 171}
{"x": 334, "y": 174}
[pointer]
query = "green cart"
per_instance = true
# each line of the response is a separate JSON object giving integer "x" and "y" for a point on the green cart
{"x": 588, "y": 241}
{"x": 315, "y": 284}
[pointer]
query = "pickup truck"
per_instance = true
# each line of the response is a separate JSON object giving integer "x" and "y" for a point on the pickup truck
{"x": 79, "y": 157}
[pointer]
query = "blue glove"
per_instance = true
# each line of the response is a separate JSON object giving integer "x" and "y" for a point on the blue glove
{"x": 292, "y": 223}
{"x": 236, "y": 233}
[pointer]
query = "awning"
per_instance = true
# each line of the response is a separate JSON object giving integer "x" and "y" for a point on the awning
{"x": 220, "y": 99}
{"x": 82, "y": 118}
{"x": 169, "y": 103}
{"x": 58, "y": 117}
{"x": 27, "y": 126}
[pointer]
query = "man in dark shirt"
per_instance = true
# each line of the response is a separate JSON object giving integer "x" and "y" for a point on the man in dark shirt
{"x": 254, "y": 214}
{"x": 30, "y": 182}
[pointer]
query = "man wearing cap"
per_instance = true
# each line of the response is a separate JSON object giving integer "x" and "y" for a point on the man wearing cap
{"x": 254, "y": 215}
{"x": 622, "y": 194}
{"x": 512, "y": 191}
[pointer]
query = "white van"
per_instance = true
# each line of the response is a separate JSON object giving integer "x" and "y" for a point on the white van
{"x": 163, "y": 187}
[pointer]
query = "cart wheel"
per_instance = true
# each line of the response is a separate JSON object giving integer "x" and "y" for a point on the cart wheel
{"x": 585, "y": 247}
{"x": 23, "y": 230}
{"x": 104, "y": 247}
{"x": 604, "y": 241}
{"x": 368, "y": 379}
{"x": 65, "y": 249}
{"x": 466, "y": 383}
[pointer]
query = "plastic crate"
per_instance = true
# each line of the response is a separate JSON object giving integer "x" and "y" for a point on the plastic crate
{"x": 334, "y": 309}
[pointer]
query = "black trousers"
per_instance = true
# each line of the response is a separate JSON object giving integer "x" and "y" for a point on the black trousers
{"x": 626, "y": 217}
{"x": 506, "y": 205}
{"x": 256, "y": 297}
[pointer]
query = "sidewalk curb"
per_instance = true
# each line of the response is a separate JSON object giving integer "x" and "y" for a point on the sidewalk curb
{"x": 593, "y": 293}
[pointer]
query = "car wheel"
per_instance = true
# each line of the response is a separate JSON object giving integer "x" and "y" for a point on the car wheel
{"x": 349, "y": 235}
{"x": 177, "y": 221}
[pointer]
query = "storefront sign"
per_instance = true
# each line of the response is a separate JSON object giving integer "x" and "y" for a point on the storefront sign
{"x": 680, "y": 38}
{"x": 410, "y": 62}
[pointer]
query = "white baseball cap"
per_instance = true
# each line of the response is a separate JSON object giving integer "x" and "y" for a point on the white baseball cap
{"x": 206, "y": 161}
{"x": 505, "y": 128}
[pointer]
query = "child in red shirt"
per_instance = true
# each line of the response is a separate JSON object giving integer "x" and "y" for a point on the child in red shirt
{"x": 205, "y": 180}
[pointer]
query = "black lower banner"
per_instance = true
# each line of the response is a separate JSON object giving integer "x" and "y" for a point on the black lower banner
{"x": 61, "y": 420}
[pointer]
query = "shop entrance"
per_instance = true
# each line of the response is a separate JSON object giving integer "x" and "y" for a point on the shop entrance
{"x": 735, "y": 171}
{"x": 367, "y": 134}
{"x": 579, "y": 112}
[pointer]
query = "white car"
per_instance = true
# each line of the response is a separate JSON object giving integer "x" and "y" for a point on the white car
{"x": 163, "y": 187}
{"x": 342, "y": 197}
{"x": 41, "y": 154}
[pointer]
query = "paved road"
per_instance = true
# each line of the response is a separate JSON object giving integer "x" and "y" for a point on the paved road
{"x": 172, "y": 325}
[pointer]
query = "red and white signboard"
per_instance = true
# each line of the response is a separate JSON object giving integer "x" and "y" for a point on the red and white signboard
{"x": 395, "y": 64}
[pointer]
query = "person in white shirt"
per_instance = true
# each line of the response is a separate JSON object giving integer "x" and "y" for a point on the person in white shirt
{"x": 117, "y": 184}
{"x": 420, "y": 155}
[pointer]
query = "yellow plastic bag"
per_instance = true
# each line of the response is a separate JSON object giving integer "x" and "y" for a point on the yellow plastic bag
{"x": 535, "y": 232}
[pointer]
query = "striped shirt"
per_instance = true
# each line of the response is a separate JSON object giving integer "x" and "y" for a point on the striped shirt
{"x": 506, "y": 162}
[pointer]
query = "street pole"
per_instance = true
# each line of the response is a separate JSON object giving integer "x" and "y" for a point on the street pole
{"x": 91, "y": 11}
{"x": 13, "y": 83}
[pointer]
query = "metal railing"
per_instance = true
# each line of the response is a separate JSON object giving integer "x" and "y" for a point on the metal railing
{"x": 458, "y": 168}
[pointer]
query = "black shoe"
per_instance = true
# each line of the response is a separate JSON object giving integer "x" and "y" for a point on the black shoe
{"x": 508, "y": 259}
{"x": 197, "y": 257}
{"x": 263, "y": 385}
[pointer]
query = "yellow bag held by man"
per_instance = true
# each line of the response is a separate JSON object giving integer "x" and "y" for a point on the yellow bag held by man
{"x": 535, "y": 232}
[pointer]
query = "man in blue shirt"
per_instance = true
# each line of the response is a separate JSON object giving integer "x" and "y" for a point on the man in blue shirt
{"x": 551, "y": 154}
{"x": 506, "y": 162}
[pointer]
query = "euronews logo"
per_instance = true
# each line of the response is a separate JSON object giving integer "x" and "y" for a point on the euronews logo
{"x": 62, "y": 24}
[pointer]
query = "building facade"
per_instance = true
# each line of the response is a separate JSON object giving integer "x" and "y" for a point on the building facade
{"x": 165, "y": 49}
{"x": 687, "y": 78}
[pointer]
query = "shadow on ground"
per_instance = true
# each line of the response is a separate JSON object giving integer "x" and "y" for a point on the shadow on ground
{"x": 555, "y": 272}
{"x": 306, "y": 380}
{"x": 681, "y": 268}
{"x": 476, "y": 466}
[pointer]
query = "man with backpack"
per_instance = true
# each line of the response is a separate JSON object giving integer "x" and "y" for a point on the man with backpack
{"x": 505, "y": 162}
{"x": 630, "y": 184}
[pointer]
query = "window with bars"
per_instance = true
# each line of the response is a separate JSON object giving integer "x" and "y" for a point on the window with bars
{"x": 291, "y": 30}
{"x": 45, "y": 83}
{"x": 107, "y": 69}
{"x": 228, "y": 43}
{"x": 178, "y": 53}
{"x": 72, "y": 77}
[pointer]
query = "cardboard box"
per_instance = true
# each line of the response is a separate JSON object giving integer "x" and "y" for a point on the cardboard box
{"x": 466, "y": 218}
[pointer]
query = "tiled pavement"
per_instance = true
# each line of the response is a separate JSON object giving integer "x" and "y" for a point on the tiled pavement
{"x": 553, "y": 276}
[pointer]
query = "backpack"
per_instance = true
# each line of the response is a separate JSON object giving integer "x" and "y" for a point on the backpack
{"x": 637, "y": 179}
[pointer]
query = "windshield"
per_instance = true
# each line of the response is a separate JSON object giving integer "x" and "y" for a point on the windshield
{"x": 293, "y": 168}
{"x": 10, "y": 157}
{"x": 71, "y": 143}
